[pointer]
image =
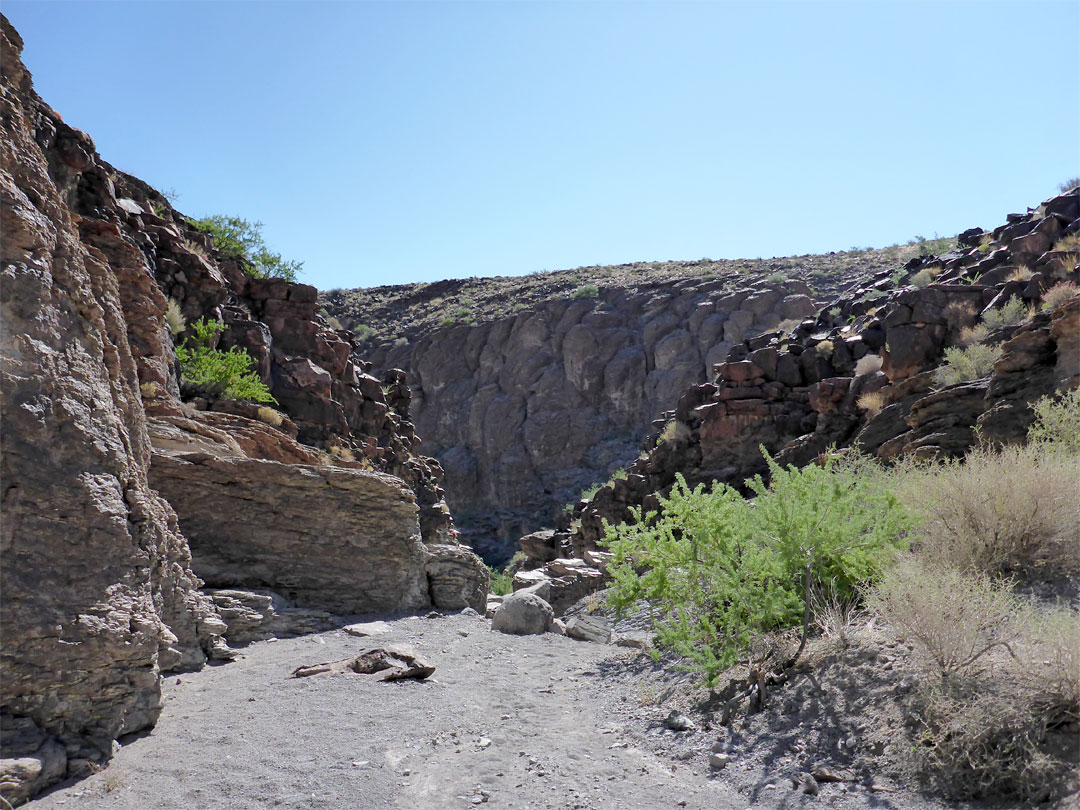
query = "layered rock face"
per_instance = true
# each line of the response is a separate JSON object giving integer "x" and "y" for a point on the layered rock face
{"x": 98, "y": 594}
{"x": 525, "y": 411}
{"x": 323, "y": 498}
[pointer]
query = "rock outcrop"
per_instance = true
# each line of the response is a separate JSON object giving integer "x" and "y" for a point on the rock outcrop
{"x": 800, "y": 392}
{"x": 98, "y": 594}
{"x": 323, "y": 497}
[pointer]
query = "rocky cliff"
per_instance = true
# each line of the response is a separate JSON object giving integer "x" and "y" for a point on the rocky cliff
{"x": 119, "y": 493}
{"x": 867, "y": 373}
{"x": 530, "y": 390}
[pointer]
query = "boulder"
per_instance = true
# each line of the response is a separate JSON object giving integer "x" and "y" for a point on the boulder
{"x": 339, "y": 539}
{"x": 589, "y": 628}
{"x": 523, "y": 614}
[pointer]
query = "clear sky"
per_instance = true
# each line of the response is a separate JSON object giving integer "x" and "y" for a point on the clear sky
{"x": 385, "y": 143}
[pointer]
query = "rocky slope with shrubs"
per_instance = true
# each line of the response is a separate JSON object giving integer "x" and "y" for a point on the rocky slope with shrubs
{"x": 106, "y": 583}
{"x": 919, "y": 365}
{"x": 529, "y": 390}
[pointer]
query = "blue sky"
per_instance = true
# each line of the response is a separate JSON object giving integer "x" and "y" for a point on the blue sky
{"x": 385, "y": 143}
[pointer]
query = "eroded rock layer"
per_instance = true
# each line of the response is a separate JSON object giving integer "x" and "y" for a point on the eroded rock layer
{"x": 322, "y": 496}
{"x": 98, "y": 594}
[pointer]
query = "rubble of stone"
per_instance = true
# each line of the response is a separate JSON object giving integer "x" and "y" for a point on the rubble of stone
{"x": 323, "y": 498}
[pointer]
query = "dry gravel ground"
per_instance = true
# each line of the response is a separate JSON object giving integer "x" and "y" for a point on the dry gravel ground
{"x": 505, "y": 722}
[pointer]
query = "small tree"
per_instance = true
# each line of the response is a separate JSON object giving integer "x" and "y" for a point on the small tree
{"x": 239, "y": 239}
{"x": 218, "y": 373}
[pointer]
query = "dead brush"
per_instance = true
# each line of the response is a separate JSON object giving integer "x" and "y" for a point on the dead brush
{"x": 1059, "y": 294}
{"x": 999, "y": 511}
{"x": 956, "y": 619}
{"x": 982, "y": 740}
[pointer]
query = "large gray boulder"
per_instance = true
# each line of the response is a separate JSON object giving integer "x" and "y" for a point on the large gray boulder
{"x": 523, "y": 614}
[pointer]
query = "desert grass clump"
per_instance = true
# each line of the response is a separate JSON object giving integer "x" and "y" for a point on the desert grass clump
{"x": 1021, "y": 273}
{"x": 1010, "y": 313}
{"x": 269, "y": 416}
{"x": 969, "y": 363}
{"x": 872, "y": 403}
{"x": 998, "y": 511}
{"x": 174, "y": 318}
{"x": 1058, "y": 294}
{"x": 868, "y": 364}
{"x": 1068, "y": 242}
{"x": 788, "y": 325}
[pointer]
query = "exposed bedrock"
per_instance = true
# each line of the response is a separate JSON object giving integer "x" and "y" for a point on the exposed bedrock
{"x": 324, "y": 495}
{"x": 98, "y": 595}
{"x": 330, "y": 537}
{"x": 526, "y": 411}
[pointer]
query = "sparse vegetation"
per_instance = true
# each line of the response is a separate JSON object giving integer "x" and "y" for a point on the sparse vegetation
{"x": 933, "y": 247}
{"x": 174, "y": 318}
{"x": 1058, "y": 294}
{"x": 215, "y": 373}
{"x": 1069, "y": 184}
{"x": 239, "y": 239}
{"x": 1010, "y": 313}
{"x": 965, "y": 364}
{"x": 586, "y": 291}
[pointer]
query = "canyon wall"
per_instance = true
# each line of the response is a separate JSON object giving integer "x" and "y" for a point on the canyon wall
{"x": 126, "y": 491}
{"x": 525, "y": 411}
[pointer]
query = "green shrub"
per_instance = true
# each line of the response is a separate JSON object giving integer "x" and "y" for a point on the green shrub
{"x": 239, "y": 239}
{"x": 218, "y": 373}
{"x": 501, "y": 581}
{"x": 586, "y": 291}
{"x": 1010, "y": 313}
{"x": 969, "y": 363}
{"x": 722, "y": 571}
{"x": 1057, "y": 421}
